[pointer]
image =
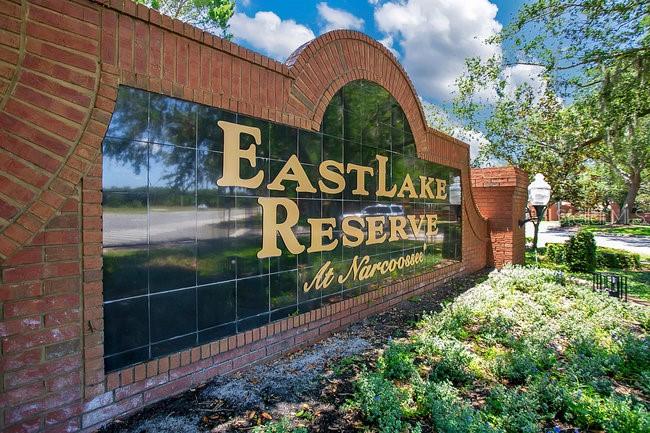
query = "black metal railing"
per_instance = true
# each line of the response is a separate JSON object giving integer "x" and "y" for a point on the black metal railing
{"x": 613, "y": 284}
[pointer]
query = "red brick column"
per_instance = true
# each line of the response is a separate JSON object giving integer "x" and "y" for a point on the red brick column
{"x": 501, "y": 195}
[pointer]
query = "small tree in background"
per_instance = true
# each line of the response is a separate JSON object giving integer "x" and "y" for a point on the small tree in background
{"x": 581, "y": 252}
{"x": 211, "y": 15}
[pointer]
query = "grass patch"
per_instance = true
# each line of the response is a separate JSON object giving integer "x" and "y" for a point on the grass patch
{"x": 628, "y": 230}
{"x": 524, "y": 351}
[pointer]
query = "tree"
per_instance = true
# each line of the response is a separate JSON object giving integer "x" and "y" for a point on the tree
{"x": 211, "y": 15}
{"x": 586, "y": 99}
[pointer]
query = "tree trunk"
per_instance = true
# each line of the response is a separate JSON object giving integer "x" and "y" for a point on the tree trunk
{"x": 629, "y": 204}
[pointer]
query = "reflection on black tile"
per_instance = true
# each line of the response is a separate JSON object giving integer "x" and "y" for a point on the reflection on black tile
{"x": 124, "y": 165}
{"x": 284, "y": 141}
{"x": 131, "y": 115}
{"x": 174, "y": 345}
{"x": 309, "y": 147}
{"x": 252, "y": 296}
{"x": 252, "y": 322}
{"x": 173, "y": 314}
{"x": 216, "y": 304}
{"x": 125, "y": 272}
{"x": 212, "y": 334}
{"x": 129, "y": 327}
{"x": 283, "y": 289}
{"x": 246, "y": 140}
{"x": 209, "y": 135}
{"x": 115, "y": 362}
{"x": 172, "y": 121}
{"x": 172, "y": 266}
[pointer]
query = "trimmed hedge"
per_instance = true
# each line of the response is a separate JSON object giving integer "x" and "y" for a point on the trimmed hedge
{"x": 620, "y": 259}
{"x": 605, "y": 257}
{"x": 581, "y": 252}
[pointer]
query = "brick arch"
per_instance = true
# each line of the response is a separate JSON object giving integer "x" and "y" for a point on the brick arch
{"x": 322, "y": 66}
{"x": 47, "y": 116}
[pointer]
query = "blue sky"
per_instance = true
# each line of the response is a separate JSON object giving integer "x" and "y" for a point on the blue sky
{"x": 431, "y": 38}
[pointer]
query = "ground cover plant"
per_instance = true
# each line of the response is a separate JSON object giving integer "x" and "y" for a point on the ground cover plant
{"x": 528, "y": 350}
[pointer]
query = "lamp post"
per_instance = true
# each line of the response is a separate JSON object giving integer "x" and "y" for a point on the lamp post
{"x": 539, "y": 194}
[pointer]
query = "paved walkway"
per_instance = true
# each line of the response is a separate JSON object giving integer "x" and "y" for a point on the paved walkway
{"x": 550, "y": 232}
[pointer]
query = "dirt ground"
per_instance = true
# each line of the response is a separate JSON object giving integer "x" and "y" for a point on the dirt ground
{"x": 308, "y": 386}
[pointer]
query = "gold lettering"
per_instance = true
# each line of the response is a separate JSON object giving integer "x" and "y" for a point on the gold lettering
{"x": 415, "y": 227}
{"x": 292, "y": 170}
{"x": 361, "y": 171}
{"x": 425, "y": 187}
{"x": 407, "y": 186}
{"x": 350, "y": 231}
{"x": 318, "y": 233}
{"x": 233, "y": 154}
{"x": 441, "y": 189}
{"x": 375, "y": 227}
{"x": 331, "y": 176}
{"x": 271, "y": 227}
{"x": 381, "y": 188}
{"x": 322, "y": 279}
{"x": 432, "y": 225}
{"x": 397, "y": 224}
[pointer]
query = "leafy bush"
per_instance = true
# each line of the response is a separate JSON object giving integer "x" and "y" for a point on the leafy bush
{"x": 619, "y": 259}
{"x": 581, "y": 252}
{"x": 514, "y": 410}
{"x": 397, "y": 361}
{"x": 380, "y": 402}
{"x": 613, "y": 414}
{"x": 450, "y": 360}
{"x": 448, "y": 412}
{"x": 525, "y": 361}
{"x": 605, "y": 257}
{"x": 556, "y": 252}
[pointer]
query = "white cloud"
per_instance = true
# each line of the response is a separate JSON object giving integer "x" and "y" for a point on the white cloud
{"x": 388, "y": 43}
{"x": 436, "y": 36}
{"x": 337, "y": 18}
{"x": 269, "y": 33}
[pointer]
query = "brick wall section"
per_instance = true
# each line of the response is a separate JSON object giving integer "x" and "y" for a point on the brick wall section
{"x": 61, "y": 62}
{"x": 501, "y": 195}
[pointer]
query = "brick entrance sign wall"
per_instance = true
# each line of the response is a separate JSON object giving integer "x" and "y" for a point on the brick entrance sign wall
{"x": 61, "y": 62}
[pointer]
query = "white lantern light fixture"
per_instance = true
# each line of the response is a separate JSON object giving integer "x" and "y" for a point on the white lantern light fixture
{"x": 539, "y": 191}
{"x": 539, "y": 194}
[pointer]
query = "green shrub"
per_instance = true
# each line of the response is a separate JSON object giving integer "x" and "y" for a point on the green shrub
{"x": 619, "y": 259}
{"x": 397, "y": 361}
{"x": 524, "y": 361}
{"x": 514, "y": 410}
{"x": 581, "y": 252}
{"x": 449, "y": 413}
{"x": 450, "y": 360}
{"x": 379, "y": 402}
{"x": 555, "y": 252}
{"x": 614, "y": 414}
